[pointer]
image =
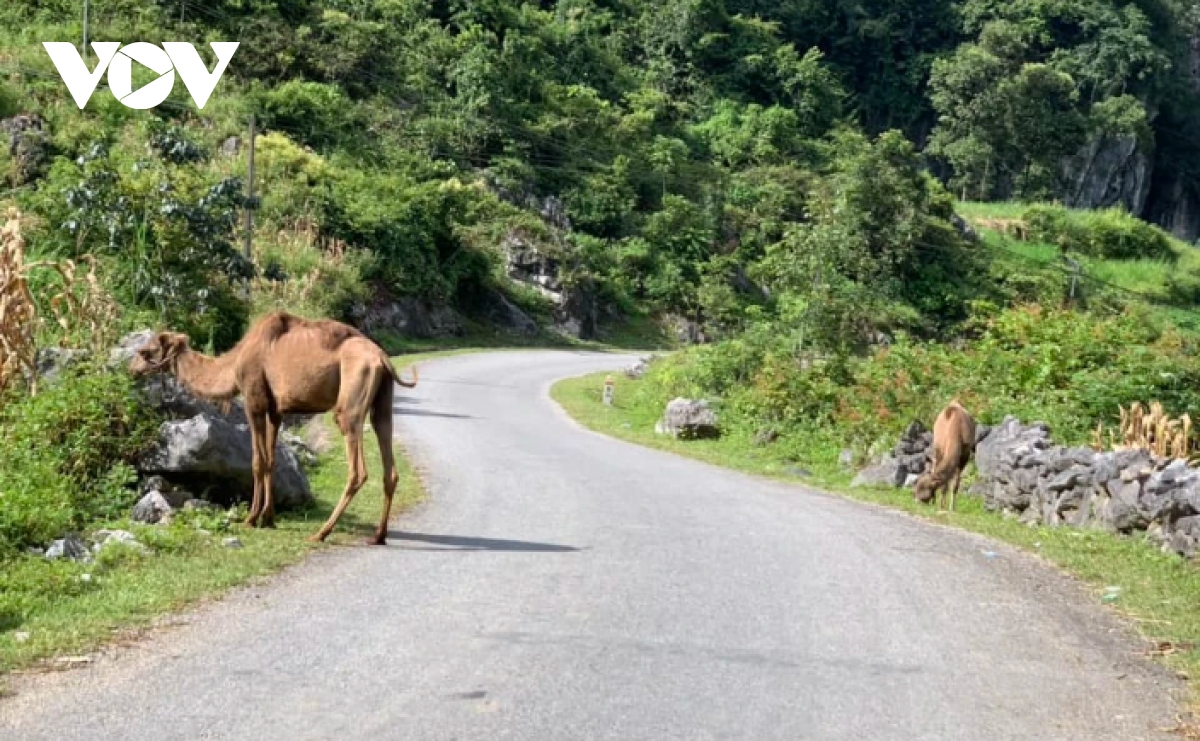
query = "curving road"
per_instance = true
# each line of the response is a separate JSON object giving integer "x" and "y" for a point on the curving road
{"x": 562, "y": 585}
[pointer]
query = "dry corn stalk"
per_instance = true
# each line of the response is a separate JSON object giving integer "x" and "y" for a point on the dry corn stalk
{"x": 1152, "y": 430}
{"x": 18, "y": 313}
{"x": 81, "y": 306}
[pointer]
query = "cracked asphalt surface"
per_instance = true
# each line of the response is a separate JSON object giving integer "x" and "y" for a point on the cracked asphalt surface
{"x": 559, "y": 584}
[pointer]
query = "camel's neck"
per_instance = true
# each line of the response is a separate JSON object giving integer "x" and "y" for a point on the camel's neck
{"x": 211, "y": 378}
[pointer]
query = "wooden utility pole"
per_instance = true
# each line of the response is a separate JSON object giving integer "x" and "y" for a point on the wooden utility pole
{"x": 83, "y": 52}
{"x": 246, "y": 247}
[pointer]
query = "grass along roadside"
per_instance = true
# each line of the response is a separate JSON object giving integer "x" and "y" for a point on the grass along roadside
{"x": 1159, "y": 593}
{"x": 52, "y": 611}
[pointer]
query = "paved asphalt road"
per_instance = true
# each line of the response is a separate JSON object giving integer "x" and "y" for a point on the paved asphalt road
{"x": 562, "y": 585}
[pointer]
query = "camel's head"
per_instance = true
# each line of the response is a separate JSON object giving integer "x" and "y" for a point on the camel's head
{"x": 923, "y": 488}
{"x": 158, "y": 353}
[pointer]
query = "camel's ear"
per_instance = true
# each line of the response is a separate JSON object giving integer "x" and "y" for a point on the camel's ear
{"x": 172, "y": 344}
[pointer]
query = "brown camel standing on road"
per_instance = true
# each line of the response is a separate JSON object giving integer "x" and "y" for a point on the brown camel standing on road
{"x": 289, "y": 365}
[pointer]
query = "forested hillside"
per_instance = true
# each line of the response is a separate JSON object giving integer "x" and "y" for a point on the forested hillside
{"x": 623, "y": 157}
{"x": 785, "y": 179}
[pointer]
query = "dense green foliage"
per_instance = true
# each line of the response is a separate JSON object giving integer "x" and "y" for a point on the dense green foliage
{"x": 67, "y": 456}
{"x": 1111, "y": 233}
{"x": 657, "y": 153}
{"x": 1062, "y": 367}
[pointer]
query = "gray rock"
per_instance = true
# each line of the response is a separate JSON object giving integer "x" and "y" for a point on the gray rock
{"x": 1121, "y": 511}
{"x": 305, "y": 455}
{"x": 689, "y": 419}
{"x": 508, "y": 316}
{"x": 231, "y": 146}
{"x": 202, "y": 505}
{"x": 29, "y": 147}
{"x": 846, "y": 458}
{"x": 636, "y": 370}
{"x": 963, "y": 228}
{"x": 1069, "y": 479}
{"x": 530, "y": 264}
{"x": 687, "y": 331}
{"x": 578, "y": 313}
{"x": 207, "y": 451}
{"x": 1157, "y": 534}
{"x": 52, "y": 362}
{"x": 152, "y": 509}
{"x": 765, "y": 438}
{"x": 1109, "y": 171}
{"x": 231, "y": 542}
{"x": 106, "y": 538}
{"x": 888, "y": 472}
{"x": 70, "y": 547}
{"x": 127, "y": 347}
{"x": 409, "y": 317}
{"x": 175, "y": 495}
{"x": 1185, "y": 536}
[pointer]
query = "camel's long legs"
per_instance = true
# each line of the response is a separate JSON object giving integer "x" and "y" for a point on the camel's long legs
{"x": 257, "y": 435}
{"x": 273, "y": 421}
{"x": 381, "y": 420}
{"x": 355, "y": 481}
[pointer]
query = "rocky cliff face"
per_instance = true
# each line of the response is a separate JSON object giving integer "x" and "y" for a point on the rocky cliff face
{"x": 1110, "y": 172}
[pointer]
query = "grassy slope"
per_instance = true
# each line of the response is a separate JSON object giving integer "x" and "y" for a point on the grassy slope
{"x": 66, "y": 615}
{"x": 1160, "y": 593}
{"x": 1147, "y": 278}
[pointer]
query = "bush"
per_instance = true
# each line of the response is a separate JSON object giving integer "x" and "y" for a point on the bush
{"x": 1066, "y": 368}
{"x": 67, "y": 455}
{"x": 1109, "y": 233}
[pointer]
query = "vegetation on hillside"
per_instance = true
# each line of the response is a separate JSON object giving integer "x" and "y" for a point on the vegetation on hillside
{"x": 655, "y": 153}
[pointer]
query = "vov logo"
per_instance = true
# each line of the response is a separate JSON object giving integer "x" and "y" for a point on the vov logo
{"x": 174, "y": 56}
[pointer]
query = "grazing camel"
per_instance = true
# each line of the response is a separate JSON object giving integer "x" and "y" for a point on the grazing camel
{"x": 953, "y": 446}
{"x": 284, "y": 365}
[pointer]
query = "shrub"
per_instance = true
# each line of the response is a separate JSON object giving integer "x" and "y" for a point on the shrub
{"x": 66, "y": 454}
{"x": 1069, "y": 369}
{"x": 1109, "y": 233}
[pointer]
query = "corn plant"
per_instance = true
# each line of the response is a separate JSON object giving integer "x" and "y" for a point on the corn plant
{"x": 80, "y": 305}
{"x": 18, "y": 312}
{"x": 1152, "y": 430}
{"x": 82, "y": 308}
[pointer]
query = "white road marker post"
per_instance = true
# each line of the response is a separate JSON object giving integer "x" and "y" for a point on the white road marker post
{"x": 608, "y": 391}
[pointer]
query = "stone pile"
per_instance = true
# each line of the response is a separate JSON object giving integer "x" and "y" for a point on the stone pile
{"x": 1022, "y": 473}
{"x": 903, "y": 464}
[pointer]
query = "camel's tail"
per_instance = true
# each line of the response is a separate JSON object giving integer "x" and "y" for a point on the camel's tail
{"x": 396, "y": 376}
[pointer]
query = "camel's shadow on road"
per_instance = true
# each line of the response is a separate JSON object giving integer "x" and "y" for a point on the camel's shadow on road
{"x": 432, "y": 542}
{"x": 404, "y": 407}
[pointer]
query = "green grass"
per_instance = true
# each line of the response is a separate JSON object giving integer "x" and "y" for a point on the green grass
{"x": 998, "y": 210}
{"x": 1143, "y": 281}
{"x": 1160, "y": 593}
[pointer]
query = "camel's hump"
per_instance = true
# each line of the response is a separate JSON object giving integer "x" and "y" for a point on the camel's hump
{"x": 329, "y": 333}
